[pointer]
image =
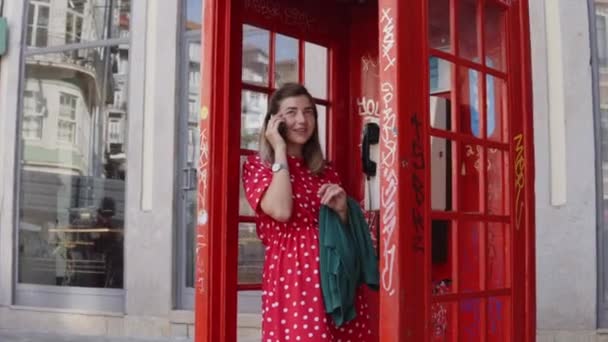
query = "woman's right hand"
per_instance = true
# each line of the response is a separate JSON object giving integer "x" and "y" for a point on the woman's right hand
{"x": 272, "y": 131}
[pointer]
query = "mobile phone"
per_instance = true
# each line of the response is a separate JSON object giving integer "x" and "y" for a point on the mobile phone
{"x": 283, "y": 130}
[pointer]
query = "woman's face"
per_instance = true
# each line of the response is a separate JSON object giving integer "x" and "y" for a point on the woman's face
{"x": 299, "y": 116}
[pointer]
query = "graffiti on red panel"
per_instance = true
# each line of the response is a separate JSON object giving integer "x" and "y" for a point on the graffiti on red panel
{"x": 388, "y": 39}
{"x": 388, "y": 137}
{"x": 291, "y": 16}
{"x": 368, "y": 107}
{"x": 203, "y": 215}
{"x": 418, "y": 165}
{"x": 520, "y": 179}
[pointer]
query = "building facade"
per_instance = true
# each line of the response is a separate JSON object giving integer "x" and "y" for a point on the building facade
{"x": 99, "y": 146}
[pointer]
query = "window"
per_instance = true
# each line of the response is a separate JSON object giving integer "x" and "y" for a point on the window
{"x": 190, "y": 81}
{"x": 38, "y": 23}
{"x": 66, "y": 123}
{"x": 72, "y": 169}
{"x": 73, "y": 27}
{"x": 599, "y": 26}
{"x": 32, "y": 115}
{"x": 602, "y": 39}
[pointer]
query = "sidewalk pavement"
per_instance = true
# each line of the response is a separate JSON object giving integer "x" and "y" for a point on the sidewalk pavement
{"x": 17, "y": 336}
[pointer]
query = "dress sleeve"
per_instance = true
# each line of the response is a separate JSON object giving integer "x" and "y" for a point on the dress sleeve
{"x": 256, "y": 179}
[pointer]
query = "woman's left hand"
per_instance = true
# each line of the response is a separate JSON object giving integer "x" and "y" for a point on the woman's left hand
{"x": 333, "y": 196}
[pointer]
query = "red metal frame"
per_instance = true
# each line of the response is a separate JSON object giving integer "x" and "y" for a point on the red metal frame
{"x": 402, "y": 58}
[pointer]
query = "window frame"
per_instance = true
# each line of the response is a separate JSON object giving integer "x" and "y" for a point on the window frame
{"x": 601, "y": 206}
{"x": 34, "y": 26}
{"x": 34, "y": 114}
{"x": 52, "y": 296}
{"x": 67, "y": 120}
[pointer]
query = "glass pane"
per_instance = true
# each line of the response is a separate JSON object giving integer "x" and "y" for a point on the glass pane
{"x": 496, "y": 106}
{"x": 441, "y": 173}
{"x": 439, "y": 25}
{"x": 253, "y": 111}
{"x": 286, "y": 60}
{"x": 440, "y": 75}
{"x": 315, "y": 70}
{"x": 72, "y": 192}
{"x": 256, "y": 47}
{"x": 192, "y": 150}
{"x": 469, "y": 115}
{"x": 494, "y": 35}
{"x": 442, "y": 271}
{"x": 322, "y": 124}
{"x": 194, "y": 13}
{"x": 59, "y": 22}
{"x": 469, "y": 320}
{"x": 251, "y": 255}
{"x": 443, "y": 322}
{"x": 470, "y": 247}
{"x": 440, "y": 110}
{"x": 467, "y": 30}
{"x": 249, "y": 313}
{"x": 499, "y": 316}
{"x": 469, "y": 178}
{"x": 498, "y": 196}
{"x": 190, "y": 221}
{"x": 244, "y": 207}
{"x": 498, "y": 256}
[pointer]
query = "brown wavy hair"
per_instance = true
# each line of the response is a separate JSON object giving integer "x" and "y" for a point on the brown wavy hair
{"x": 311, "y": 151}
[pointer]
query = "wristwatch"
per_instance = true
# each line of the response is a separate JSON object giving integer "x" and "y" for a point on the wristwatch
{"x": 276, "y": 167}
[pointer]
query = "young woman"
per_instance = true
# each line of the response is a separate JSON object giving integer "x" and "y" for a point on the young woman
{"x": 286, "y": 184}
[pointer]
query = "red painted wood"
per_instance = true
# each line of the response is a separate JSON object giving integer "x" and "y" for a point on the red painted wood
{"x": 215, "y": 288}
{"x": 401, "y": 93}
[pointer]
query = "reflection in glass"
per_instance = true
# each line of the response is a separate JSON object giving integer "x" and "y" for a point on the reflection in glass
{"x": 192, "y": 151}
{"x": 256, "y": 49}
{"x": 440, "y": 75}
{"x": 498, "y": 328}
{"x": 72, "y": 190}
{"x": 470, "y": 245}
{"x": 251, "y": 255}
{"x": 322, "y": 126}
{"x": 467, "y": 30}
{"x": 496, "y": 109}
{"x": 496, "y": 178}
{"x": 494, "y": 35}
{"x": 59, "y": 22}
{"x": 315, "y": 73}
{"x": 469, "y": 114}
{"x": 469, "y": 318}
{"x": 442, "y": 271}
{"x": 498, "y": 256}
{"x": 244, "y": 207}
{"x": 194, "y": 12}
{"x": 439, "y": 25}
{"x": 441, "y": 173}
{"x": 253, "y": 111}
{"x": 469, "y": 177}
{"x": 286, "y": 60}
{"x": 601, "y": 27}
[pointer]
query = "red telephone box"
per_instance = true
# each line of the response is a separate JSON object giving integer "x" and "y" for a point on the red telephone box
{"x": 449, "y": 83}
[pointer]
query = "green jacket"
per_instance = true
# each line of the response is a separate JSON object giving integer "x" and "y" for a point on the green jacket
{"x": 347, "y": 259}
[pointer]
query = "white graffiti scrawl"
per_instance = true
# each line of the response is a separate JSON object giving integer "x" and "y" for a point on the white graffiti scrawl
{"x": 388, "y": 154}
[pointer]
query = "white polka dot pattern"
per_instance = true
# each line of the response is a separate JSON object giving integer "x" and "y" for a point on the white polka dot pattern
{"x": 292, "y": 305}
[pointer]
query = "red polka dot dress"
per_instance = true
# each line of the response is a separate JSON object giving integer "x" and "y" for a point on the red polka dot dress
{"x": 292, "y": 303}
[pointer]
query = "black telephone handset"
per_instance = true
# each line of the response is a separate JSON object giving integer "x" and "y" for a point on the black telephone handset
{"x": 283, "y": 130}
{"x": 371, "y": 136}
